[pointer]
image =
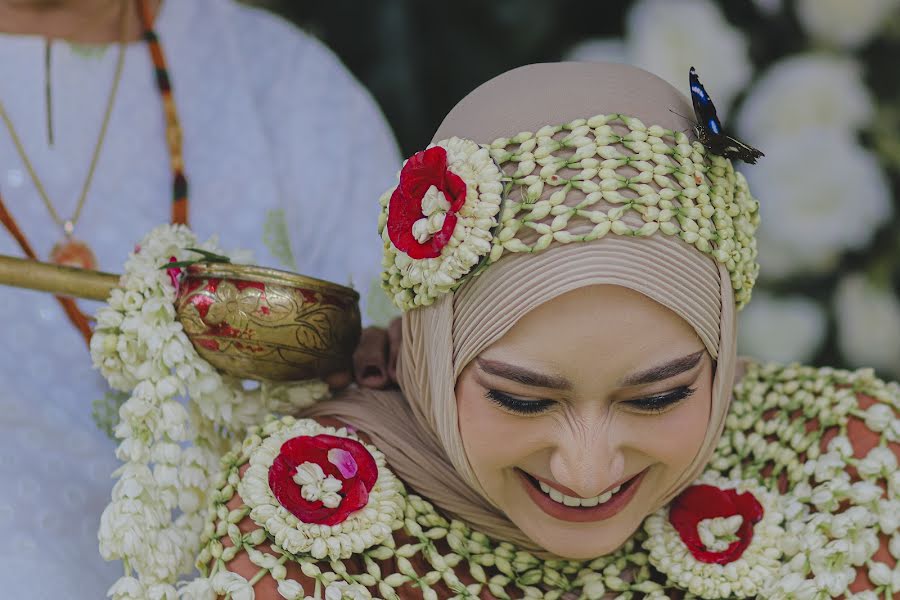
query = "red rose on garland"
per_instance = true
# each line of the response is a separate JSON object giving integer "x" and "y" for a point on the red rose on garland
{"x": 424, "y": 171}
{"x": 323, "y": 479}
{"x": 701, "y": 502}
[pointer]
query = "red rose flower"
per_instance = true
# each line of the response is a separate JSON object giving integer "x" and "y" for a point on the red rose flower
{"x": 425, "y": 169}
{"x": 701, "y": 502}
{"x": 342, "y": 458}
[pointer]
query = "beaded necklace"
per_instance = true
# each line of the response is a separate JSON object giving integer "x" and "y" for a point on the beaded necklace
{"x": 174, "y": 136}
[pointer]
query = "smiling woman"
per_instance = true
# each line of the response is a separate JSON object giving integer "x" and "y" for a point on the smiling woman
{"x": 569, "y": 423}
{"x": 588, "y": 425}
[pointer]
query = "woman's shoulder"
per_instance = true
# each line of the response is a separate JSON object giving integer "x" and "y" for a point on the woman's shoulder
{"x": 801, "y": 497}
{"x": 310, "y": 507}
{"x": 795, "y": 425}
{"x": 824, "y": 443}
{"x": 792, "y": 422}
{"x": 262, "y": 49}
{"x": 279, "y": 525}
{"x": 319, "y": 487}
{"x": 771, "y": 395}
{"x": 296, "y": 494}
{"x": 275, "y": 529}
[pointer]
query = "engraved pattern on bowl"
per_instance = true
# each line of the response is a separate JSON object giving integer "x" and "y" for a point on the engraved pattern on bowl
{"x": 265, "y": 324}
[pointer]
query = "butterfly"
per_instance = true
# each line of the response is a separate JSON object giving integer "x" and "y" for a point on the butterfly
{"x": 709, "y": 128}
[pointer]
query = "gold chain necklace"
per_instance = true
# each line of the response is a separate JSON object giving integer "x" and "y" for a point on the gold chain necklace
{"x": 69, "y": 250}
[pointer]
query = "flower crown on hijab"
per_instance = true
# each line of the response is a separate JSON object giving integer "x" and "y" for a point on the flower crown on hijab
{"x": 451, "y": 213}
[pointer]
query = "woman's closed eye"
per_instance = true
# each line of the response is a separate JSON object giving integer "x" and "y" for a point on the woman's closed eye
{"x": 655, "y": 404}
{"x": 659, "y": 403}
{"x": 518, "y": 405}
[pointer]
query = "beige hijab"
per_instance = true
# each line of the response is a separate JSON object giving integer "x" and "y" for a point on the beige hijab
{"x": 418, "y": 429}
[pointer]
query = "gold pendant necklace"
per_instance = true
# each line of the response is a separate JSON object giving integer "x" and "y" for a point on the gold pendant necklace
{"x": 70, "y": 251}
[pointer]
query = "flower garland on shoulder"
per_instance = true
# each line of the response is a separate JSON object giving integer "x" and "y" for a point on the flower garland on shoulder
{"x": 170, "y": 447}
{"x": 317, "y": 493}
{"x": 718, "y": 538}
{"x": 734, "y": 535}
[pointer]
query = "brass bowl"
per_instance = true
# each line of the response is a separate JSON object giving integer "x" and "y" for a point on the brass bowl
{"x": 266, "y": 324}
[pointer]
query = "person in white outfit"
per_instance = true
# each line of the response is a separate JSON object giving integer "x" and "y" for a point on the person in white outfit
{"x": 120, "y": 115}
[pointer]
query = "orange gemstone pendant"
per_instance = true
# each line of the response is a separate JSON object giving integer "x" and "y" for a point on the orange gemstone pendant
{"x": 73, "y": 253}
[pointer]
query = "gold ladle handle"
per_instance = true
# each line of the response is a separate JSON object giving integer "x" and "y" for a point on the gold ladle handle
{"x": 56, "y": 279}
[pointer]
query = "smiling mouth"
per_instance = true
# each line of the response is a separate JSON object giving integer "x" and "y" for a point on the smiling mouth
{"x": 575, "y": 501}
{"x": 573, "y": 508}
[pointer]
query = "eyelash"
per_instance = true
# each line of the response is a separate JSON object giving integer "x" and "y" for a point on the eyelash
{"x": 661, "y": 402}
{"x": 651, "y": 404}
{"x": 522, "y": 407}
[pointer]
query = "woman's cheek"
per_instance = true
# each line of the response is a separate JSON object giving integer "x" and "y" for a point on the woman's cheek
{"x": 474, "y": 421}
{"x": 674, "y": 437}
{"x": 492, "y": 438}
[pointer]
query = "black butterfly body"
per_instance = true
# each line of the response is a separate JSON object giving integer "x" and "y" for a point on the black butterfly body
{"x": 709, "y": 128}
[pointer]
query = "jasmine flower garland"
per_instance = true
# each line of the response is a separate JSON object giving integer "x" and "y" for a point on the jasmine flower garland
{"x": 697, "y": 557}
{"x": 170, "y": 448}
{"x": 452, "y": 211}
{"x": 283, "y": 454}
{"x": 732, "y": 534}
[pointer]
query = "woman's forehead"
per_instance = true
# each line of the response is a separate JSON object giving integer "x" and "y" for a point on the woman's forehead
{"x": 596, "y": 325}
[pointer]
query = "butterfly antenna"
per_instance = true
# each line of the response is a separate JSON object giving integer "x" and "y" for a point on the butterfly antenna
{"x": 683, "y": 117}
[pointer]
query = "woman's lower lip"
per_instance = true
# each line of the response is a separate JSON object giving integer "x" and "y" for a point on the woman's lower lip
{"x": 582, "y": 514}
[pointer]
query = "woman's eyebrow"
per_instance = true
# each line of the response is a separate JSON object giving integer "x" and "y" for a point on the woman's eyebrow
{"x": 523, "y": 375}
{"x": 663, "y": 371}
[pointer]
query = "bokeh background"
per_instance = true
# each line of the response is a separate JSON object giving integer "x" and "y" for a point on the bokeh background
{"x": 815, "y": 84}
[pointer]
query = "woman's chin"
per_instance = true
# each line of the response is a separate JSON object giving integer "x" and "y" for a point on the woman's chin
{"x": 576, "y": 541}
{"x": 572, "y": 548}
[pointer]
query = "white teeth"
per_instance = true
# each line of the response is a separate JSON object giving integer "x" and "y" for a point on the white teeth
{"x": 591, "y": 501}
{"x": 558, "y": 496}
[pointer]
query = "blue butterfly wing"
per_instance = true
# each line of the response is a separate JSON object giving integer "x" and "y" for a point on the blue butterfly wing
{"x": 704, "y": 109}
{"x": 709, "y": 128}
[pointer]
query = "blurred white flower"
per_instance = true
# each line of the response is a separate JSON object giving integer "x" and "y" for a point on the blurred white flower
{"x": 667, "y": 37}
{"x": 868, "y": 324}
{"x": 598, "y": 50}
{"x": 847, "y": 24}
{"x": 805, "y": 92}
{"x": 781, "y": 329}
{"x": 821, "y": 193}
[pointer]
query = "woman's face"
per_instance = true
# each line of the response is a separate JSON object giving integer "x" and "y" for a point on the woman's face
{"x": 584, "y": 414}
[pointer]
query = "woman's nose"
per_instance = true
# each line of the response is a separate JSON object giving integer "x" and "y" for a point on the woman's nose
{"x": 587, "y": 463}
